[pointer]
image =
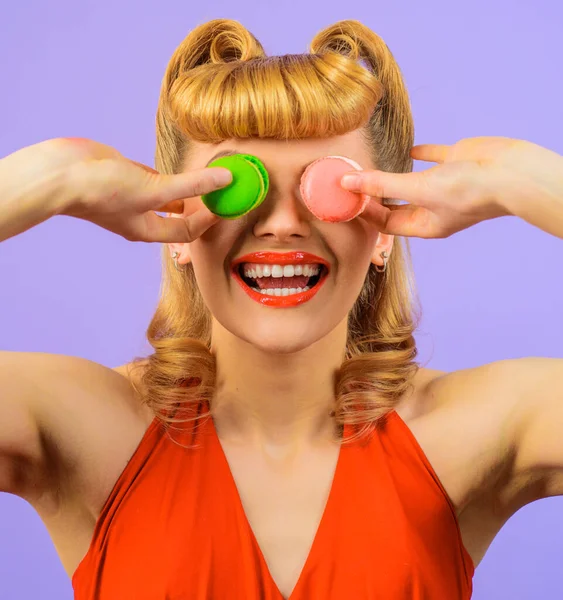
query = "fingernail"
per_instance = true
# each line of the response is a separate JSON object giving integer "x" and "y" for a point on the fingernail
{"x": 222, "y": 176}
{"x": 351, "y": 182}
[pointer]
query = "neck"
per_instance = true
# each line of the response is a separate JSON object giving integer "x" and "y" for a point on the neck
{"x": 283, "y": 398}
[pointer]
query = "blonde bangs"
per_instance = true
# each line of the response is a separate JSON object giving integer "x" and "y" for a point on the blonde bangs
{"x": 280, "y": 97}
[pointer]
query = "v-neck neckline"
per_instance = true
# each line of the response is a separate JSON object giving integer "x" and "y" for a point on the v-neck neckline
{"x": 320, "y": 527}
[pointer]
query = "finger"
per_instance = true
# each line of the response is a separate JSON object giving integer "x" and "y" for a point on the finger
{"x": 177, "y": 229}
{"x": 430, "y": 152}
{"x": 376, "y": 214}
{"x": 163, "y": 189}
{"x": 176, "y": 206}
{"x": 380, "y": 215}
{"x": 381, "y": 184}
{"x": 404, "y": 219}
{"x": 411, "y": 221}
{"x": 145, "y": 167}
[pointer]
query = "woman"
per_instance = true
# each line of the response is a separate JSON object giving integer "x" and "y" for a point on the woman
{"x": 268, "y": 452}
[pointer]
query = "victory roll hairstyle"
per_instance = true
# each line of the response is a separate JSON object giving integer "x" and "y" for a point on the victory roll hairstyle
{"x": 219, "y": 84}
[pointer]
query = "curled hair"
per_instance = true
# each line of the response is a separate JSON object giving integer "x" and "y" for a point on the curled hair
{"x": 219, "y": 84}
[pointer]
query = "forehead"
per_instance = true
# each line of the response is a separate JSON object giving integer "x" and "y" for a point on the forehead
{"x": 282, "y": 154}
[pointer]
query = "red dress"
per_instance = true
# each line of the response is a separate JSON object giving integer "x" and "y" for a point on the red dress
{"x": 173, "y": 528}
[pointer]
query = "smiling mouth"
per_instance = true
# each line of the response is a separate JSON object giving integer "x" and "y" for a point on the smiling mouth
{"x": 282, "y": 284}
{"x": 278, "y": 280}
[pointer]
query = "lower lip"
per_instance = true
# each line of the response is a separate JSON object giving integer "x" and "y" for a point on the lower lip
{"x": 279, "y": 301}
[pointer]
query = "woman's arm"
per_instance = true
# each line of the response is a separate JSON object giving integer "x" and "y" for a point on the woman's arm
{"x": 475, "y": 179}
{"x": 478, "y": 179}
{"x": 91, "y": 181}
{"x": 539, "y": 199}
{"x": 31, "y": 187}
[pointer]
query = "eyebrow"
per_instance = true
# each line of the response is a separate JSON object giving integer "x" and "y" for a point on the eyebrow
{"x": 222, "y": 153}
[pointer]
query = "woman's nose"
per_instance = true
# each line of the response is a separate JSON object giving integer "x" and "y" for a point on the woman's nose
{"x": 282, "y": 215}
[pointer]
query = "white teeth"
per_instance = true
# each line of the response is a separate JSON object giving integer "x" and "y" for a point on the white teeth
{"x": 261, "y": 270}
{"x": 310, "y": 270}
{"x": 282, "y": 291}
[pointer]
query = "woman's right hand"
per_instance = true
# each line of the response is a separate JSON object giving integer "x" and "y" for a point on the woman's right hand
{"x": 122, "y": 195}
{"x": 96, "y": 183}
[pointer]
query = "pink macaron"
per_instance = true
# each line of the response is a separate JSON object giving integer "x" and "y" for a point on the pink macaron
{"x": 324, "y": 196}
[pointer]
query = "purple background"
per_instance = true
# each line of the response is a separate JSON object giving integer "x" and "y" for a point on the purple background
{"x": 94, "y": 69}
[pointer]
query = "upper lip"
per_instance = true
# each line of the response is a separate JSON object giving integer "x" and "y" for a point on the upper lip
{"x": 281, "y": 258}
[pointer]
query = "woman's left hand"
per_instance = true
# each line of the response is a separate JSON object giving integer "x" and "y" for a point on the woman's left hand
{"x": 476, "y": 179}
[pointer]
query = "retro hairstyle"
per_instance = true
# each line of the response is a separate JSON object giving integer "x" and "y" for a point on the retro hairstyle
{"x": 219, "y": 84}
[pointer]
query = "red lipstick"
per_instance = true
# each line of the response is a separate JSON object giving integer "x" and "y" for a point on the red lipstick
{"x": 280, "y": 258}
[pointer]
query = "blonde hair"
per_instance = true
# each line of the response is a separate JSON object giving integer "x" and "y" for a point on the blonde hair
{"x": 219, "y": 84}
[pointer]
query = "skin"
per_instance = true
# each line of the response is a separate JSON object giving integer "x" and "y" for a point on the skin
{"x": 276, "y": 366}
{"x": 491, "y": 433}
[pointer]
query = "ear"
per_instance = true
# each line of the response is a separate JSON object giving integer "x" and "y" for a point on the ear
{"x": 384, "y": 244}
{"x": 183, "y": 249}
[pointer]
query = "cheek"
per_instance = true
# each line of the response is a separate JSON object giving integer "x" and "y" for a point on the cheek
{"x": 355, "y": 251}
{"x": 221, "y": 235}
{"x": 357, "y": 242}
{"x": 211, "y": 252}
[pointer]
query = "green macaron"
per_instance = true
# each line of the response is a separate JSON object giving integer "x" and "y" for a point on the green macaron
{"x": 246, "y": 191}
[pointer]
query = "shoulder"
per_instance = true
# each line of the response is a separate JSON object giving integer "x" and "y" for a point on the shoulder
{"x": 512, "y": 412}
{"x": 415, "y": 403}
{"x": 131, "y": 377}
{"x": 57, "y": 389}
{"x": 83, "y": 387}
{"x": 89, "y": 414}
{"x": 58, "y": 413}
{"x": 491, "y": 387}
{"x": 484, "y": 399}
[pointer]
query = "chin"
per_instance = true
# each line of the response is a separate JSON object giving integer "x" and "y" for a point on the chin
{"x": 277, "y": 335}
